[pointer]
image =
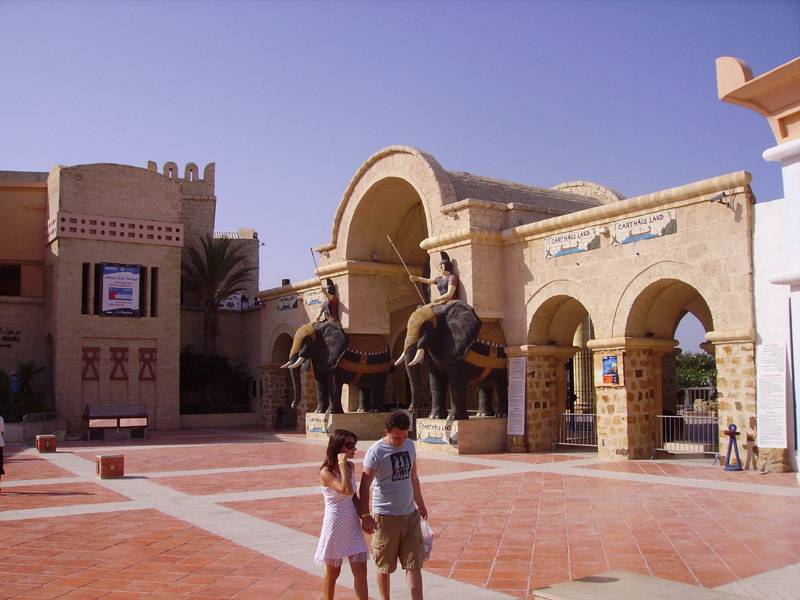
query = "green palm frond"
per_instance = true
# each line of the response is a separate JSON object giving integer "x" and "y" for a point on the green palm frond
{"x": 214, "y": 271}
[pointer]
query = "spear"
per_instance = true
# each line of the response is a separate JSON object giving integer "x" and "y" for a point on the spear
{"x": 405, "y": 267}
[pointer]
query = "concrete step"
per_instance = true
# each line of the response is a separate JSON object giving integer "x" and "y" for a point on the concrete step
{"x": 622, "y": 585}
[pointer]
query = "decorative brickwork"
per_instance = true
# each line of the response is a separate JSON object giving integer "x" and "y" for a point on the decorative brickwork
{"x": 114, "y": 229}
{"x": 90, "y": 360}
{"x": 119, "y": 364}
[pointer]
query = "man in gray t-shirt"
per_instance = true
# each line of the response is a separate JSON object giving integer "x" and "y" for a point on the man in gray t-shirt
{"x": 390, "y": 470}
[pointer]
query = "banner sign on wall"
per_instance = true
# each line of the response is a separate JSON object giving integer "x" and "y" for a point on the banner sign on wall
{"x": 571, "y": 242}
{"x": 287, "y": 302}
{"x": 517, "y": 375}
{"x": 771, "y": 395}
{"x": 312, "y": 297}
{"x": 120, "y": 289}
{"x": 611, "y": 369}
{"x": 644, "y": 227}
{"x": 9, "y": 336}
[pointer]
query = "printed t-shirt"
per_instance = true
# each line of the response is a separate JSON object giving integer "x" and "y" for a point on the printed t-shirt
{"x": 392, "y": 492}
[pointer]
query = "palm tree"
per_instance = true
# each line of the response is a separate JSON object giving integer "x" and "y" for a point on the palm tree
{"x": 214, "y": 271}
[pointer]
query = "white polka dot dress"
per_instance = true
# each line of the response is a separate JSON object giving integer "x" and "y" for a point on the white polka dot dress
{"x": 341, "y": 535}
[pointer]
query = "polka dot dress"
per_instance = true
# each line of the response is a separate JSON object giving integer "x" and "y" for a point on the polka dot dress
{"x": 341, "y": 535}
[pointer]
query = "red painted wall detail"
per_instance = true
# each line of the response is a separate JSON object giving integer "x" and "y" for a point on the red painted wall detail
{"x": 147, "y": 364}
{"x": 90, "y": 357}
{"x": 119, "y": 364}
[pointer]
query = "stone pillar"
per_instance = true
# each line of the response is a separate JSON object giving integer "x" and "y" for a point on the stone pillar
{"x": 627, "y": 423}
{"x": 736, "y": 389}
{"x": 545, "y": 393}
{"x": 582, "y": 369}
{"x": 669, "y": 388}
{"x": 277, "y": 393}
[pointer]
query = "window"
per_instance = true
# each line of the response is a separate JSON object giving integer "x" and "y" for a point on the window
{"x": 85, "y": 275}
{"x": 10, "y": 280}
{"x": 154, "y": 292}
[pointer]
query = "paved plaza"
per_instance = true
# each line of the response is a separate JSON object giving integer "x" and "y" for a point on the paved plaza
{"x": 235, "y": 514}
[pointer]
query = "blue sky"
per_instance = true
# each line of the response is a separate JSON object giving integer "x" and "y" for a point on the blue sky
{"x": 289, "y": 98}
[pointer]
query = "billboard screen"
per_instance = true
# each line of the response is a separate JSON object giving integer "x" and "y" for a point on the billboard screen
{"x": 119, "y": 287}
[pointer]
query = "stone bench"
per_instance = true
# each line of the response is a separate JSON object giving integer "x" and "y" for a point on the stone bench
{"x": 130, "y": 417}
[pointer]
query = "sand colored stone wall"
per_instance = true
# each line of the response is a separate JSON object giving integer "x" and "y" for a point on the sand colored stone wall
{"x": 114, "y": 360}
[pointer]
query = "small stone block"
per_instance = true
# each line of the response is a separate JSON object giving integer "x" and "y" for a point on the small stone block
{"x": 110, "y": 466}
{"x": 46, "y": 443}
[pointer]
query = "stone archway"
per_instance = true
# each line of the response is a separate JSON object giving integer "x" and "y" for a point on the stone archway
{"x": 277, "y": 385}
{"x": 654, "y": 418}
{"x": 558, "y": 317}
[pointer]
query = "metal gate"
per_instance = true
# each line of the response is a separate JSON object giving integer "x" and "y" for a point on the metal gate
{"x": 575, "y": 429}
{"x": 688, "y": 434}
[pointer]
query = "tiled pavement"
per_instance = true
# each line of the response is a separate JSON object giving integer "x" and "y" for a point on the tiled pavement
{"x": 235, "y": 514}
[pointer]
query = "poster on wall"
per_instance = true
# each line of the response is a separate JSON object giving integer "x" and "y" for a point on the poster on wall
{"x": 771, "y": 395}
{"x": 611, "y": 369}
{"x": 286, "y": 302}
{"x": 119, "y": 286}
{"x": 572, "y": 242}
{"x": 644, "y": 227}
{"x": 517, "y": 372}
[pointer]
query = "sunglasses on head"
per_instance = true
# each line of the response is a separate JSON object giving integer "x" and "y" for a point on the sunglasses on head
{"x": 350, "y": 445}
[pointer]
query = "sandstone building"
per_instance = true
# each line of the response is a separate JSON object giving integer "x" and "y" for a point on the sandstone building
{"x": 578, "y": 278}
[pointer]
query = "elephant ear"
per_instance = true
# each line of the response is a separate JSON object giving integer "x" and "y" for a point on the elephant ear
{"x": 457, "y": 327}
{"x": 329, "y": 345}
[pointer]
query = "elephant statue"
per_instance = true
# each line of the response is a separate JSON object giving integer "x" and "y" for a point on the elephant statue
{"x": 459, "y": 350}
{"x": 338, "y": 358}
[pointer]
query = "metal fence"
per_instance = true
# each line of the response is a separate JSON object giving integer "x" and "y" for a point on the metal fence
{"x": 572, "y": 429}
{"x": 688, "y": 434}
{"x": 688, "y": 395}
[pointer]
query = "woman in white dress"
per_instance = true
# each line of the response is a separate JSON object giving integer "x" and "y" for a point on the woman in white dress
{"x": 341, "y": 535}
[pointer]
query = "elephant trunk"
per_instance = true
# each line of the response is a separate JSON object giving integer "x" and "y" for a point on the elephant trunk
{"x": 421, "y": 316}
{"x": 297, "y": 387}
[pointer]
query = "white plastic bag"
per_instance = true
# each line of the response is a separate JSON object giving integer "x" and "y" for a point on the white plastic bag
{"x": 427, "y": 538}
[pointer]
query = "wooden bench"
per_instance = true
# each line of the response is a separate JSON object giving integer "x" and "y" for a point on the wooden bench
{"x": 100, "y": 418}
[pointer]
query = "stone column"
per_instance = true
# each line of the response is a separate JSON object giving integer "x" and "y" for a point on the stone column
{"x": 736, "y": 389}
{"x": 627, "y": 423}
{"x": 277, "y": 393}
{"x": 582, "y": 370}
{"x": 545, "y": 393}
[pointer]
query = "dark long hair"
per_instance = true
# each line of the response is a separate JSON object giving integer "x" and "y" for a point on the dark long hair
{"x": 336, "y": 444}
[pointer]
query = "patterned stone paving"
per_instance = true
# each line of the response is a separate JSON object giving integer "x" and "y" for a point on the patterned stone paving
{"x": 505, "y": 524}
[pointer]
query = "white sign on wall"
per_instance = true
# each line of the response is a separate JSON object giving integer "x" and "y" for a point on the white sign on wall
{"x": 517, "y": 373}
{"x": 644, "y": 227}
{"x": 571, "y": 242}
{"x": 120, "y": 289}
{"x": 771, "y": 395}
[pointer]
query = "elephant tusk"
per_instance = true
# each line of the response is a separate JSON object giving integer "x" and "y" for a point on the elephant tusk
{"x": 418, "y": 357}
{"x": 399, "y": 361}
{"x": 297, "y": 363}
{"x": 286, "y": 364}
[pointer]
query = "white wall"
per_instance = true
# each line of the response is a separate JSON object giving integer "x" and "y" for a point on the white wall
{"x": 772, "y": 254}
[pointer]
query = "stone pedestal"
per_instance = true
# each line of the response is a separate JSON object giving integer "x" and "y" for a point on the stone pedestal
{"x": 46, "y": 443}
{"x": 110, "y": 466}
{"x": 366, "y": 426}
{"x": 480, "y": 435}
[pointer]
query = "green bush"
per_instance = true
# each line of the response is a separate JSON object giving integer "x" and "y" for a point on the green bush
{"x": 24, "y": 399}
{"x": 695, "y": 370}
{"x": 211, "y": 384}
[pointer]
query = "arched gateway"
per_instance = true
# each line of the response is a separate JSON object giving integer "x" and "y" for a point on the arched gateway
{"x": 578, "y": 282}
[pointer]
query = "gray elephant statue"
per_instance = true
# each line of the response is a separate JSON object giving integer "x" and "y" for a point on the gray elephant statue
{"x": 459, "y": 350}
{"x": 363, "y": 361}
